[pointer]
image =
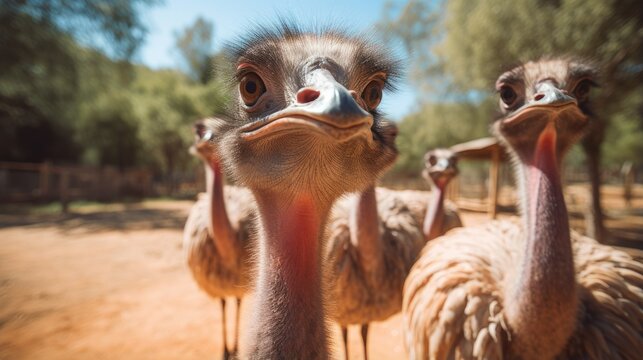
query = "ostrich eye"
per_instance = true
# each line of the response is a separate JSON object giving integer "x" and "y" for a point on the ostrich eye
{"x": 508, "y": 95}
{"x": 372, "y": 94}
{"x": 581, "y": 91}
{"x": 251, "y": 87}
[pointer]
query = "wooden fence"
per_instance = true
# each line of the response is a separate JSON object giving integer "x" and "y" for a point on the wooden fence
{"x": 39, "y": 182}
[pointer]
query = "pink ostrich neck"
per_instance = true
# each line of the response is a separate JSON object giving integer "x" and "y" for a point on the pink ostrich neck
{"x": 542, "y": 302}
{"x": 364, "y": 224}
{"x": 219, "y": 226}
{"x": 434, "y": 218}
{"x": 291, "y": 318}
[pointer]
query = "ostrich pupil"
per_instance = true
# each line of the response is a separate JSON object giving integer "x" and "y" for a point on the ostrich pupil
{"x": 507, "y": 95}
{"x": 582, "y": 89}
{"x": 374, "y": 94}
{"x": 251, "y": 87}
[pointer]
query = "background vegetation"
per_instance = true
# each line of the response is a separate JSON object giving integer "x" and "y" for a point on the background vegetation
{"x": 457, "y": 49}
{"x": 69, "y": 92}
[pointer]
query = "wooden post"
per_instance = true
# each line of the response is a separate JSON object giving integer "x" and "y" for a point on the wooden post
{"x": 45, "y": 170}
{"x": 64, "y": 190}
{"x": 627, "y": 171}
{"x": 494, "y": 171}
{"x": 452, "y": 190}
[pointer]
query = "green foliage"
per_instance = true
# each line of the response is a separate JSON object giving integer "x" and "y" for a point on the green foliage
{"x": 44, "y": 79}
{"x": 63, "y": 101}
{"x": 473, "y": 41}
{"x": 624, "y": 139}
{"x": 459, "y": 47}
{"x": 439, "y": 125}
{"x": 194, "y": 44}
{"x": 168, "y": 103}
{"x": 108, "y": 134}
{"x": 114, "y": 25}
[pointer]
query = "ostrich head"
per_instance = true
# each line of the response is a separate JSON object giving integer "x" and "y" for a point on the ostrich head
{"x": 202, "y": 147}
{"x": 548, "y": 101}
{"x": 305, "y": 118}
{"x": 440, "y": 166}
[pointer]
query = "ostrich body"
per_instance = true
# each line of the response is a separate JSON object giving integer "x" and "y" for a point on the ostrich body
{"x": 305, "y": 131}
{"x": 440, "y": 169}
{"x": 215, "y": 244}
{"x": 529, "y": 289}
{"x": 373, "y": 242}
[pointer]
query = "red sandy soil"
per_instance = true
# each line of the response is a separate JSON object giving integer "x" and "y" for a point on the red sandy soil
{"x": 111, "y": 284}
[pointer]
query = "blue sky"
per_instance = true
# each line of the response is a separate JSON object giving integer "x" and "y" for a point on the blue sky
{"x": 232, "y": 17}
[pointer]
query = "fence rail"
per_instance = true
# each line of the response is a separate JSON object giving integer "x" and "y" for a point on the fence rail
{"x": 46, "y": 182}
{"x": 41, "y": 182}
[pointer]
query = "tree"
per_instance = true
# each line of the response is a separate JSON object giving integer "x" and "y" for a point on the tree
{"x": 439, "y": 125}
{"x": 474, "y": 41}
{"x": 110, "y": 134}
{"x": 41, "y": 61}
{"x": 168, "y": 104}
{"x": 194, "y": 44}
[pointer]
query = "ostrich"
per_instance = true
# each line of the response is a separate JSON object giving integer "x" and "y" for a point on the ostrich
{"x": 375, "y": 240}
{"x": 440, "y": 169}
{"x": 305, "y": 130}
{"x": 216, "y": 244}
{"x": 372, "y": 246}
{"x": 529, "y": 289}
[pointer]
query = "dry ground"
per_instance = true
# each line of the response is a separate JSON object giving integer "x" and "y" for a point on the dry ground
{"x": 109, "y": 283}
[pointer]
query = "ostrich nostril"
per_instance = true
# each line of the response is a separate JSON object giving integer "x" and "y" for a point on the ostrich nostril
{"x": 307, "y": 95}
{"x": 539, "y": 97}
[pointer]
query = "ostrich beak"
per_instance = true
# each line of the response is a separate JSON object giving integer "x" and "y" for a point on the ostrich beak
{"x": 323, "y": 105}
{"x": 548, "y": 104}
{"x": 444, "y": 165}
{"x": 443, "y": 169}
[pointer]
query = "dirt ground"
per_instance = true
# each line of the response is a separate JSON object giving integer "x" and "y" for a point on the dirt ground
{"x": 110, "y": 283}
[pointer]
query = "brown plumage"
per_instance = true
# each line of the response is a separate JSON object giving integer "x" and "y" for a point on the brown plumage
{"x": 220, "y": 265}
{"x": 369, "y": 254}
{"x": 419, "y": 201}
{"x": 365, "y": 285}
{"x": 304, "y": 119}
{"x": 528, "y": 288}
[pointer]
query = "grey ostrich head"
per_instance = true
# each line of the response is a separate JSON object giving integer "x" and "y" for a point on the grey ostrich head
{"x": 546, "y": 96}
{"x": 203, "y": 132}
{"x": 440, "y": 166}
{"x": 305, "y": 115}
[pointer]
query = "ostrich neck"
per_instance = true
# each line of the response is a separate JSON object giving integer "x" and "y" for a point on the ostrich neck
{"x": 291, "y": 318}
{"x": 365, "y": 230}
{"x": 218, "y": 222}
{"x": 543, "y": 299}
{"x": 434, "y": 218}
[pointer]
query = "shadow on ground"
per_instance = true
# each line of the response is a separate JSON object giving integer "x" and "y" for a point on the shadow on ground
{"x": 131, "y": 217}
